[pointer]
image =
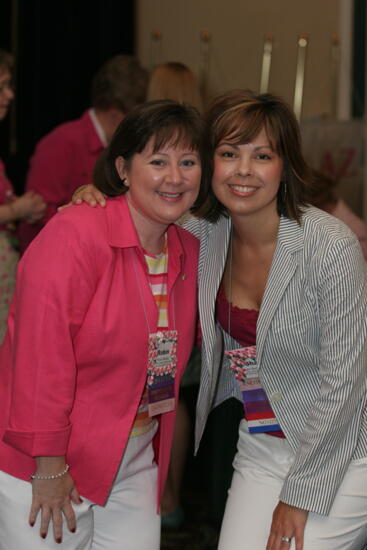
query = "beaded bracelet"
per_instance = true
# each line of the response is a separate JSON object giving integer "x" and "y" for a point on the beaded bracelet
{"x": 51, "y": 476}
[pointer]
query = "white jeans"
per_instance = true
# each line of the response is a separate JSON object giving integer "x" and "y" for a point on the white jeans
{"x": 261, "y": 465}
{"x": 128, "y": 521}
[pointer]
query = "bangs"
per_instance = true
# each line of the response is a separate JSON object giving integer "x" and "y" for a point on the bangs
{"x": 238, "y": 127}
{"x": 175, "y": 136}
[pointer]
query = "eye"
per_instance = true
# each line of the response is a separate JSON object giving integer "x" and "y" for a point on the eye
{"x": 157, "y": 162}
{"x": 227, "y": 154}
{"x": 263, "y": 156}
{"x": 188, "y": 162}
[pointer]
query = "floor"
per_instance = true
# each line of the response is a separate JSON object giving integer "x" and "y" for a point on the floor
{"x": 206, "y": 480}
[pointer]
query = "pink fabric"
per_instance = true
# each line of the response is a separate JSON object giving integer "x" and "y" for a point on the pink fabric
{"x": 243, "y": 321}
{"x": 346, "y": 215}
{"x": 74, "y": 360}
{"x": 63, "y": 161}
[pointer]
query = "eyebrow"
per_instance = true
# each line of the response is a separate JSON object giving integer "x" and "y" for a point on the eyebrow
{"x": 166, "y": 154}
{"x": 237, "y": 146}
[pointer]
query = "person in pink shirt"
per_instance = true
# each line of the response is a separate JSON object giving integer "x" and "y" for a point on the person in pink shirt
{"x": 29, "y": 207}
{"x": 65, "y": 158}
{"x": 99, "y": 333}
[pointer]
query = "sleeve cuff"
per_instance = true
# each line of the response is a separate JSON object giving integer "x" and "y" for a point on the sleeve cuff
{"x": 50, "y": 443}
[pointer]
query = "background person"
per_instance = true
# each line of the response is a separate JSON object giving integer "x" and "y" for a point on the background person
{"x": 174, "y": 80}
{"x": 99, "y": 334}
{"x": 29, "y": 206}
{"x": 65, "y": 158}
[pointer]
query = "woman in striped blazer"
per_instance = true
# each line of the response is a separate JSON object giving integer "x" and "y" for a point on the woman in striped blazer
{"x": 284, "y": 284}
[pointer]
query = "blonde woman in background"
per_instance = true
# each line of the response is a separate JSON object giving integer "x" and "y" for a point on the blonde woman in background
{"x": 174, "y": 80}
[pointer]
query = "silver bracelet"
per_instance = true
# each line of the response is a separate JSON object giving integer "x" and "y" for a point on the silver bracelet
{"x": 51, "y": 476}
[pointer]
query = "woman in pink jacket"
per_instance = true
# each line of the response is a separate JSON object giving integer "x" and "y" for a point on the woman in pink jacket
{"x": 100, "y": 329}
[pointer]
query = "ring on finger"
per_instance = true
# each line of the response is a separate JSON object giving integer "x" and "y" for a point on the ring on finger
{"x": 286, "y": 539}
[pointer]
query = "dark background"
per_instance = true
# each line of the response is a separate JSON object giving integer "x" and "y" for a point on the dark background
{"x": 58, "y": 47}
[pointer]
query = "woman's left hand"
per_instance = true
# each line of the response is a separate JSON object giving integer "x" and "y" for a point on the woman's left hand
{"x": 289, "y": 522}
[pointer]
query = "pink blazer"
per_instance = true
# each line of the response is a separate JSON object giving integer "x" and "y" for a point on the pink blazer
{"x": 74, "y": 360}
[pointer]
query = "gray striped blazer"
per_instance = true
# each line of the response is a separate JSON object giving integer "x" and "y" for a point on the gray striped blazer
{"x": 311, "y": 347}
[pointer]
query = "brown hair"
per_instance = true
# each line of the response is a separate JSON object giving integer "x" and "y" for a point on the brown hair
{"x": 165, "y": 121}
{"x": 175, "y": 81}
{"x": 120, "y": 83}
{"x": 239, "y": 116}
{"x": 6, "y": 61}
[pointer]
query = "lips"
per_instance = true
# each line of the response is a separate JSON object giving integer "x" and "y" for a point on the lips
{"x": 169, "y": 195}
{"x": 243, "y": 188}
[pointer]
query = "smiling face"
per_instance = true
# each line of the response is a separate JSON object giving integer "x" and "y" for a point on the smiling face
{"x": 162, "y": 185}
{"x": 6, "y": 92}
{"x": 247, "y": 177}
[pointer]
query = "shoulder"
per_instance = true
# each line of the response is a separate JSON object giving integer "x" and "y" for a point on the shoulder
{"x": 316, "y": 222}
{"x": 198, "y": 227}
{"x": 78, "y": 226}
{"x": 72, "y": 131}
{"x": 329, "y": 245}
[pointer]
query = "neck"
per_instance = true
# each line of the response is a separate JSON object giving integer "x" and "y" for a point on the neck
{"x": 109, "y": 120}
{"x": 151, "y": 234}
{"x": 256, "y": 230}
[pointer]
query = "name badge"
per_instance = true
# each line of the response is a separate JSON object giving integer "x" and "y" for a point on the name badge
{"x": 162, "y": 364}
{"x": 258, "y": 411}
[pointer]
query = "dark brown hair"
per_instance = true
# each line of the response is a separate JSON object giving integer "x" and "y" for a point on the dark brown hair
{"x": 238, "y": 116}
{"x": 120, "y": 83}
{"x": 165, "y": 121}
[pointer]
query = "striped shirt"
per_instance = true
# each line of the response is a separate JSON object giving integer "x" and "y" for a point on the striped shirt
{"x": 157, "y": 276}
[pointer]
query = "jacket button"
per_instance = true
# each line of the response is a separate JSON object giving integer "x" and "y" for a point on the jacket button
{"x": 276, "y": 396}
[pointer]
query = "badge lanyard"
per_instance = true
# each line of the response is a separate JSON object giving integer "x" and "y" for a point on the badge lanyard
{"x": 243, "y": 363}
{"x": 162, "y": 360}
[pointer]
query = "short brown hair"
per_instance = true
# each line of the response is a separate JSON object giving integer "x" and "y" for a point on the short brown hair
{"x": 166, "y": 121}
{"x": 6, "y": 61}
{"x": 174, "y": 80}
{"x": 120, "y": 83}
{"x": 239, "y": 116}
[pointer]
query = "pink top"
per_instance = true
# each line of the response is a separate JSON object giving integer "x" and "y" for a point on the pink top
{"x": 74, "y": 360}
{"x": 63, "y": 161}
{"x": 242, "y": 329}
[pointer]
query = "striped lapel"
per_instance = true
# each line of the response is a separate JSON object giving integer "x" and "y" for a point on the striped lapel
{"x": 213, "y": 255}
{"x": 283, "y": 267}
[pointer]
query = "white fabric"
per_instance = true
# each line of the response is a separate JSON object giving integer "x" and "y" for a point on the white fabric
{"x": 261, "y": 465}
{"x": 128, "y": 521}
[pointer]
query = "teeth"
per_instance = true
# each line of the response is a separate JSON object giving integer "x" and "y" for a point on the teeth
{"x": 169, "y": 195}
{"x": 242, "y": 188}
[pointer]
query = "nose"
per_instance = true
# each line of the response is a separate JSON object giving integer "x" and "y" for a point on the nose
{"x": 244, "y": 165}
{"x": 174, "y": 175}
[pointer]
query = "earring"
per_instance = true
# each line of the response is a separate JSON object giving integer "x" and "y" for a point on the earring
{"x": 284, "y": 189}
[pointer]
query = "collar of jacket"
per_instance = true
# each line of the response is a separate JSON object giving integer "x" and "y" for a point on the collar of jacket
{"x": 122, "y": 232}
{"x": 95, "y": 144}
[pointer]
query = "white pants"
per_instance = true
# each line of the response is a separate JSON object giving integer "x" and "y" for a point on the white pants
{"x": 261, "y": 465}
{"x": 128, "y": 521}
